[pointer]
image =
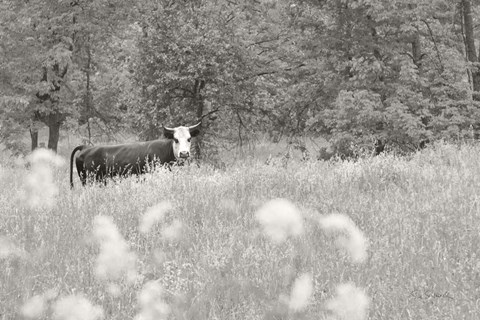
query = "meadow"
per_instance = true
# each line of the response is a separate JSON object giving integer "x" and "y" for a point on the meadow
{"x": 189, "y": 244}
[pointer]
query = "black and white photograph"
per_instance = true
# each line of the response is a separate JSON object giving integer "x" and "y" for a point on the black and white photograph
{"x": 239, "y": 159}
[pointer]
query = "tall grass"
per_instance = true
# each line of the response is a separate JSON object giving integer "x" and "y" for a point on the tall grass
{"x": 420, "y": 216}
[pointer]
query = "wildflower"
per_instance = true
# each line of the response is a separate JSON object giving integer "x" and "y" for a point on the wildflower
{"x": 115, "y": 259}
{"x": 354, "y": 242}
{"x": 173, "y": 231}
{"x": 280, "y": 219}
{"x": 152, "y": 305}
{"x": 46, "y": 156}
{"x": 301, "y": 292}
{"x": 39, "y": 189}
{"x": 8, "y": 249}
{"x": 350, "y": 303}
{"x": 153, "y": 215}
{"x": 34, "y": 307}
{"x": 76, "y": 307}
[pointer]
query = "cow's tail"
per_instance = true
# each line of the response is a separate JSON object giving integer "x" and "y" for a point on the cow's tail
{"x": 79, "y": 148}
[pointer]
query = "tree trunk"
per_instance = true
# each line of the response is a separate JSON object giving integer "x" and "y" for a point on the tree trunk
{"x": 470, "y": 46}
{"x": 55, "y": 118}
{"x": 34, "y": 137}
{"x": 199, "y": 106}
{"x": 88, "y": 90}
{"x": 417, "y": 51}
{"x": 417, "y": 60}
{"x": 53, "y": 135}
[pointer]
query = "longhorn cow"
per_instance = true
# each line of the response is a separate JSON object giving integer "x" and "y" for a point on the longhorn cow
{"x": 101, "y": 162}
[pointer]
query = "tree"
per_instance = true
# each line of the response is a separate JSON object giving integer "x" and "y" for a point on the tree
{"x": 469, "y": 40}
{"x": 394, "y": 70}
{"x": 15, "y": 81}
{"x": 104, "y": 44}
{"x": 51, "y": 58}
{"x": 190, "y": 68}
{"x": 357, "y": 72}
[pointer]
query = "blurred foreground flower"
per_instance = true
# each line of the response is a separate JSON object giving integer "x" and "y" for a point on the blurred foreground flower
{"x": 354, "y": 241}
{"x": 9, "y": 249}
{"x": 151, "y": 302}
{"x": 115, "y": 260}
{"x": 36, "y": 306}
{"x": 301, "y": 292}
{"x": 76, "y": 307}
{"x": 280, "y": 219}
{"x": 39, "y": 189}
{"x": 173, "y": 231}
{"x": 350, "y": 303}
{"x": 153, "y": 215}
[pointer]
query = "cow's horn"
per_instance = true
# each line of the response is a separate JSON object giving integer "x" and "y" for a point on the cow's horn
{"x": 194, "y": 126}
{"x": 168, "y": 132}
{"x": 194, "y": 130}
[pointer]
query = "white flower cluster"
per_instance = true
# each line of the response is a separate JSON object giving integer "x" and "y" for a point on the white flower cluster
{"x": 40, "y": 190}
{"x": 115, "y": 260}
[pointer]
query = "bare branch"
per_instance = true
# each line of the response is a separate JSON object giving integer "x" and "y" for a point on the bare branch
{"x": 275, "y": 38}
{"x": 434, "y": 44}
{"x": 208, "y": 113}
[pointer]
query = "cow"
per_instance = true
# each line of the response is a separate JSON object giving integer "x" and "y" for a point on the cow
{"x": 100, "y": 162}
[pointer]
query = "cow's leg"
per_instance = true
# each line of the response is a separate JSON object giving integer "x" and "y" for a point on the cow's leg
{"x": 99, "y": 178}
{"x": 83, "y": 177}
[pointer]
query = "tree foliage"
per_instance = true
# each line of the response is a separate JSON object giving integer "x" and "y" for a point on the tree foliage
{"x": 192, "y": 67}
{"x": 393, "y": 71}
{"x": 46, "y": 45}
{"x": 357, "y": 72}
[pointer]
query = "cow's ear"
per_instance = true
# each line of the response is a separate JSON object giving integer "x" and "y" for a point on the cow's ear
{"x": 194, "y": 130}
{"x": 168, "y": 133}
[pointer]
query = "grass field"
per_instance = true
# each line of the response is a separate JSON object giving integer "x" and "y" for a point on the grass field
{"x": 209, "y": 258}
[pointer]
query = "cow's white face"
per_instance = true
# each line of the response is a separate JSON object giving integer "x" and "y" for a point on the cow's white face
{"x": 181, "y": 143}
{"x": 181, "y": 139}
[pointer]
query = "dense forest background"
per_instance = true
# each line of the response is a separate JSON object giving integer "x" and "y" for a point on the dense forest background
{"x": 360, "y": 73}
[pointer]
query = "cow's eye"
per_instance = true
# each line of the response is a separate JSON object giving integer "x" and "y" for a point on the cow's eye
{"x": 176, "y": 140}
{"x": 189, "y": 139}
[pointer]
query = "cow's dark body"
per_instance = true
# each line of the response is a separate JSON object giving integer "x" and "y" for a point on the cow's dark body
{"x": 118, "y": 160}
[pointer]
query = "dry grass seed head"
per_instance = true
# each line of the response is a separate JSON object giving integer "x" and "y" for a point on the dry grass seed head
{"x": 354, "y": 242}
{"x": 280, "y": 219}
{"x": 301, "y": 292}
{"x": 153, "y": 215}
{"x": 76, "y": 307}
{"x": 151, "y": 302}
{"x": 40, "y": 190}
{"x": 350, "y": 303}
{"x": 115, "y": 260}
